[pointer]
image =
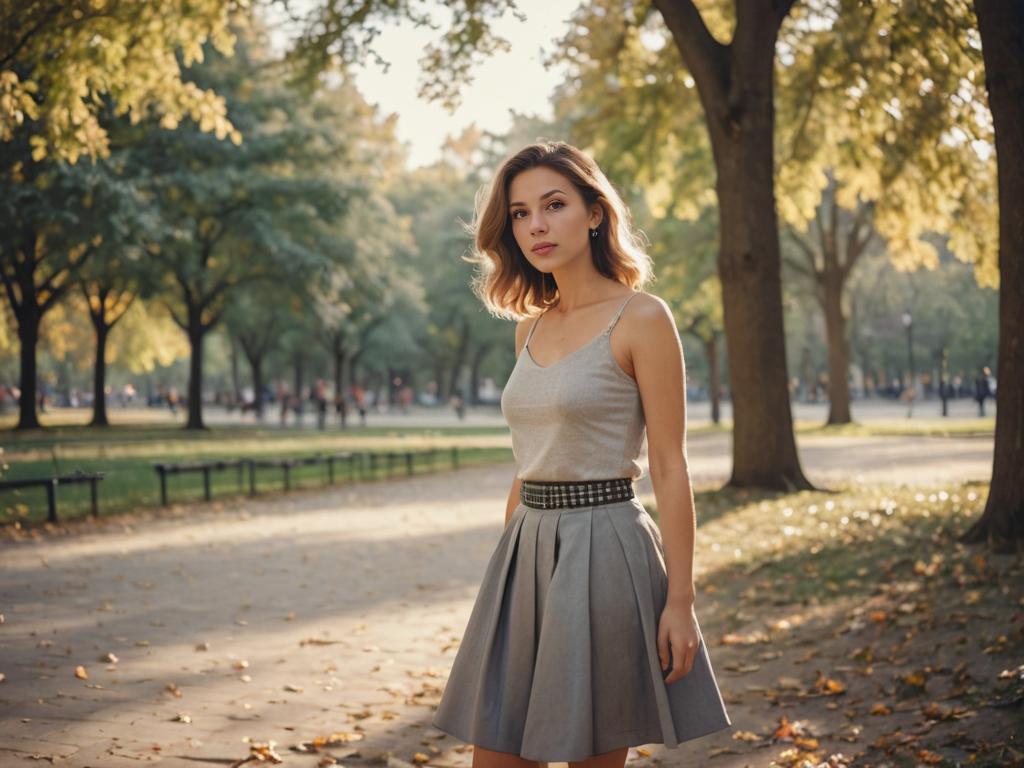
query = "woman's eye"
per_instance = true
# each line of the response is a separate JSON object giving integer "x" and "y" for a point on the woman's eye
{"x": 515, "y": 213}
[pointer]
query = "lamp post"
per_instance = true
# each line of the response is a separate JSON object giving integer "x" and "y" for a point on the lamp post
{"x": 908, "y": 323}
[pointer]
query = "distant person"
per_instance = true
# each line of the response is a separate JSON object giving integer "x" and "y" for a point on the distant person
{"x": 405, "y": 398}
{"x": 172, "y": 400}
{"x": 459, "y": 404}
{"x": 982, "y": 389}
{"x": 583, "y": 639}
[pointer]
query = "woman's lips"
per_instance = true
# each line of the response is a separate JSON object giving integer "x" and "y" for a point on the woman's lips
{"x": 544, "y": 250}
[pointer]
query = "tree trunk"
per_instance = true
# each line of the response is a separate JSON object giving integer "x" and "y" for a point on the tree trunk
{"x": 99, "y": 378}
{"x": 735, "y": 83}
{"x": 1002, "y": 39}
{"x": 474, "y": 374}
{"x": 338, "y": 353}
{"x": 838, "y": 349}
{"x": 256, "y": 364}
{"x": 442, "y": 392}
{"x": 236, "y": 379}
{"x": 28, "y": 336}
{"x": 196, "y": 334}
{"x": 460, "y": 357}
{"x": 714, "y": 378}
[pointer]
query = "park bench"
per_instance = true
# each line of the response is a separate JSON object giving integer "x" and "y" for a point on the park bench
{"x": 51, "y": 483}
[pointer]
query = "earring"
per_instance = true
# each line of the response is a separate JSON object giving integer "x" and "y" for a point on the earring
{"x": 593, "y": 233}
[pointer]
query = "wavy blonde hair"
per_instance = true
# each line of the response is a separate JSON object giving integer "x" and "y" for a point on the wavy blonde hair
{"x": 507, "y": 284}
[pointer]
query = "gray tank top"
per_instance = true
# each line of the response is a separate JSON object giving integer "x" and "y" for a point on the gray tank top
{"x": 580, "y": 418}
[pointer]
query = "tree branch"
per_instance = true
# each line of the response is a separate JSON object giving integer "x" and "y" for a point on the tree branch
{"x": 808, "y": 253}
{"x": 854, "y": 243}
{"x": 705, "y": 57}
{"x": 174, "y": 316}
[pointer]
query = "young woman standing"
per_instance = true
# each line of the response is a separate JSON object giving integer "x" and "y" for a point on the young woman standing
{"x": 583, "y": 640}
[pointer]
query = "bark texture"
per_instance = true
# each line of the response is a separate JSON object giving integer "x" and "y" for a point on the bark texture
{"x": 736, "y": 88}
{"x": 1002, "y": 38}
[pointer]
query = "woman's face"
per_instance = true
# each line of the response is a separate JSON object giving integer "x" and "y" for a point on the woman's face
{"x": 550, "y": 220}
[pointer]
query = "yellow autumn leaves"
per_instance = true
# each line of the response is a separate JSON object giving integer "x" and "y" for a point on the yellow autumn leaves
{"x": 130, "y": 55}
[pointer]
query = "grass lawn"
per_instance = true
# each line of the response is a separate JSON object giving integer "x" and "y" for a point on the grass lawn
{"x": 853, "y": 623}
{"x": 127, "y": 455}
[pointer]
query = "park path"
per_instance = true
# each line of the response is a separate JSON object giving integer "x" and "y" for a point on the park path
{"x": 290, "y": 618}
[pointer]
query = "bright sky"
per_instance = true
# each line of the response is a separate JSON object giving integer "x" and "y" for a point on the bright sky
{"x": 515, "y": 80}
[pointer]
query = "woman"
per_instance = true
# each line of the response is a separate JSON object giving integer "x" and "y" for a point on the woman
{"x": 583, "y": 640}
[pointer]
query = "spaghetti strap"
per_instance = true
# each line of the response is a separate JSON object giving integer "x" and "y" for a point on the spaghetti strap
{"x": 618, "y": 314}
{"x": 532, "y": 329}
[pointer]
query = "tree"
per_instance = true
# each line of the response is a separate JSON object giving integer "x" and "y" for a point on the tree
{"x": 108, "y": 297}
{"x": 879, "y": 130}
{"x": 243, "y": 213}
{"x": 1002, "y": 34}
{"x": 826, "y": 256}
{"x": 59, "y": 60}
{"x": 51, "y": 234}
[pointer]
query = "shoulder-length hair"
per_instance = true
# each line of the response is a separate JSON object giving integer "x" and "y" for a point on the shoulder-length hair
{"x": 506, "y": 282}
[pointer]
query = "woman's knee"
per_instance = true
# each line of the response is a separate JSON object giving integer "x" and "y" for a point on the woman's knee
{"x": 614, "y": 759}
{"x": 489, "y": 758}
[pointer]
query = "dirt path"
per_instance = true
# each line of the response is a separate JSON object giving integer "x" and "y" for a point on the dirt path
{"x": 288, "y": 619}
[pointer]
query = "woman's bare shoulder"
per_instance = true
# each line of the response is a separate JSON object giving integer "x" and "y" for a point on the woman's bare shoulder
{"x": 646, "y": 308}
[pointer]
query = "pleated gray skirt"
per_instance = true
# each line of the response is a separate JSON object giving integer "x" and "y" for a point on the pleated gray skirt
{"x": 559, "y": 660}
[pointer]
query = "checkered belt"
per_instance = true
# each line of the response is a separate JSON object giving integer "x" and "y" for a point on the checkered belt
{"x": 575, "y": 493}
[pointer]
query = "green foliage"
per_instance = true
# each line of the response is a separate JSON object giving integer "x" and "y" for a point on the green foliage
{"x": 60, "y": 60}
{"x": 888, "y": 98}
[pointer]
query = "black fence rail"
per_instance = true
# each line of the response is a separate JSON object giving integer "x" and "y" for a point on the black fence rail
{"x": 362, "y": 465}
{"x": 52, "y": 483}
{"x": 205, "y": 468}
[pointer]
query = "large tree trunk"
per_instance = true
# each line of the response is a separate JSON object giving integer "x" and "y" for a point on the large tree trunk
{"x": 1002, "y": 39}
{"x": 28, "y": 337}
{"x": 735, "y": 83}
{"x": 196, "y": 334}
{"x": 838, "y": 349}
{"x": 99, "y": 379}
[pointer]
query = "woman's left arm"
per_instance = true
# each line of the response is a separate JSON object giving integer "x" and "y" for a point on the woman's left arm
{"x": 657, "y": 357}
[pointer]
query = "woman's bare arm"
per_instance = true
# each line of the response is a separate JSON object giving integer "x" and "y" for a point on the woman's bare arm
{"x": 657, "y": 357}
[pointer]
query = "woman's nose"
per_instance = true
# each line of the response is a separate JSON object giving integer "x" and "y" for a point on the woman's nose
{"x": 538, "y": 224}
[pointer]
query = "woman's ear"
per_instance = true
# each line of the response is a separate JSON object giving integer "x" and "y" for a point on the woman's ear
{"x": 596, "y": 216}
